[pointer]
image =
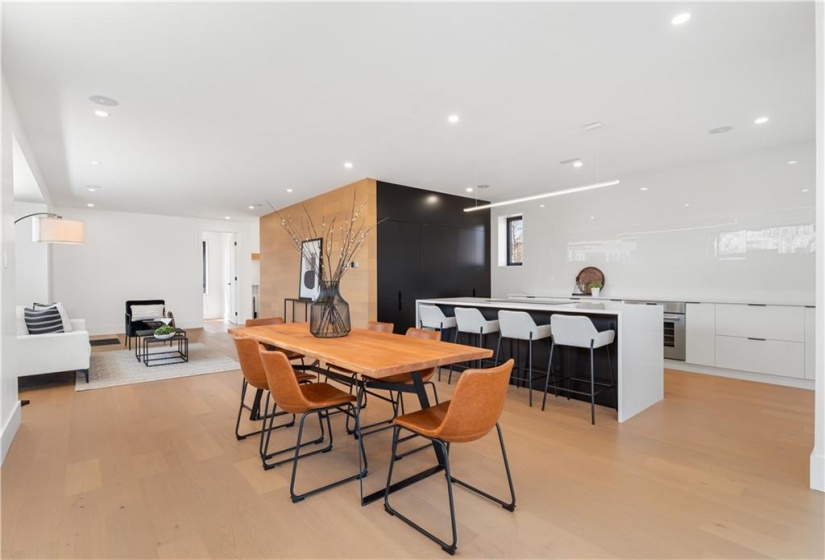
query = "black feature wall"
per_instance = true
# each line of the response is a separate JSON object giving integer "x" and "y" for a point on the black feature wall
{"x": 428, "y": 247}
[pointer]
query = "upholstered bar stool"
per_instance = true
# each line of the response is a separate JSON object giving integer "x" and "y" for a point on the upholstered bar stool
{"x": 432, "y": 318}
{"x": 519, "y": 325}
{"x": 579, "y": 331}
{"x": 469, "y": 320}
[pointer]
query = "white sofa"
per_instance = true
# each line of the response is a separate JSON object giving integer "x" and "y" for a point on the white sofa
{"x": 52, "y": 352}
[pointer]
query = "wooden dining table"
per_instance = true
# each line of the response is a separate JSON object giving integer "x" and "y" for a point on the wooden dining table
{"x": 375, "y": 354}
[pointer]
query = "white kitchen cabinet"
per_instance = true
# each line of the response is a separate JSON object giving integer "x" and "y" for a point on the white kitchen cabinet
{"x": 773, "y": 357}
{"x": 810, "y": 342}
{"x": 771, "y": 322}
{"x": 700, "y": 333}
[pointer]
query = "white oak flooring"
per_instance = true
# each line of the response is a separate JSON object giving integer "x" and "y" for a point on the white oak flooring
{"x": 717, "y": 470}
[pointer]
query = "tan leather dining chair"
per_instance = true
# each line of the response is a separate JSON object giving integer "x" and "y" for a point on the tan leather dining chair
{"x": 253, "y": 374}
{"x": 471, "y": 414}
{"x": 310, "y": 399}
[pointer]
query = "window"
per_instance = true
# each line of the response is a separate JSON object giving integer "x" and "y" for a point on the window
{"x": 515, "y": 241}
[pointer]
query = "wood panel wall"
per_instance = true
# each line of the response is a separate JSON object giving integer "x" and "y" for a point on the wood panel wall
{"x": 280, "y": 261}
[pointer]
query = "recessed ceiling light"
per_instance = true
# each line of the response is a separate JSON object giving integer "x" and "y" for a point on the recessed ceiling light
{"x": 687, "y": 204}
{"x": 103, "y": 100}
{"x": 720, "y": 130}
{"x": 760, "y": 120}
{"x": 592, "y": 217}
{"x": 680, "y": 19}
{"x": 100, "y": 113}
{"x": 348, "y": 164}
{"x": 792, "y": 162}
{"x": 541, "y": 205}
{"x": 227, "y": 218}
{"x": 452, "y": 119}
{"x": 805, "y": 190}
{"x": 95, "y": 162}
{"x": 91, "y": 204}
{"x": 642, "y": 188}
{"x": 251, "y": 207}
{"x": 578, "y": 163}
{"x": 93, "y": 188}
{"x": 469, "y": 189}
{"x": 289, "y": 190}
{"x": 593, "y": 126}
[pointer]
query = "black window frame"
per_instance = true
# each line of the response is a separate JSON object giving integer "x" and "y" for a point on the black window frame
{"x": 510, "y": 220}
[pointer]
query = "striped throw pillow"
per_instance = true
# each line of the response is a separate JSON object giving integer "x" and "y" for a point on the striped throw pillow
{"x": 42, "y": 321}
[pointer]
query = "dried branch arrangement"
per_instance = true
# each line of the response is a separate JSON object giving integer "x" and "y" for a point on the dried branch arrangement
{"x": 342, "y": 239}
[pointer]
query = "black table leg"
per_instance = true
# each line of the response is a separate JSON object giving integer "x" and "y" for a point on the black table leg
{"x": 419, "y": 389}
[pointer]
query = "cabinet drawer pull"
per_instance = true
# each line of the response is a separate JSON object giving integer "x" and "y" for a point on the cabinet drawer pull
{"x": 757, "y": 305}
{"x": 759, "y": 339}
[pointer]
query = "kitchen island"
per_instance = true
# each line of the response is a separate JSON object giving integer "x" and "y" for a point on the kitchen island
{"x": 637, "y": 349}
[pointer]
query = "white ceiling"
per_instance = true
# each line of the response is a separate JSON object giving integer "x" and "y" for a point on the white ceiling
{"x": 223, "y": 105}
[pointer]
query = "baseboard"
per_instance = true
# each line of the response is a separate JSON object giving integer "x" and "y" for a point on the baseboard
{"x": 743, "y": 375}
{"x": 818, "y": 471}
{"x": 9, "y": 431}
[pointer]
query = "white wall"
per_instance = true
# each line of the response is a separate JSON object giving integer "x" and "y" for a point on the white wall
{"x": 9, "y": 405}
{"x": 650, "y": 245}
{"x": 141, "y": 256}
{"x": 213, "y": 300}
{"x": 31, "y": 259}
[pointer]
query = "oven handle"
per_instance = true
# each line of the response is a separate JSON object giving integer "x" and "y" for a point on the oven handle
{"x": 674, "y": 318}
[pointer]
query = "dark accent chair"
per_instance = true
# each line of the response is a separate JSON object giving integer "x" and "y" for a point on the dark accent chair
{"x": 132, "y": 327}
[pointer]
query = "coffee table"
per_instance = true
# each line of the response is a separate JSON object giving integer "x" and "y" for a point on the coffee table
{"x": 178, "y": 352}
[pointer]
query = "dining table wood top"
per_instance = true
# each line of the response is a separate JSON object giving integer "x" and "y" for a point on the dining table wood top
{"x": 372, "y": 353}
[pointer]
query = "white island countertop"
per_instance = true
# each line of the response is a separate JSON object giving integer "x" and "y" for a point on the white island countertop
{"x": 639, "y": 347}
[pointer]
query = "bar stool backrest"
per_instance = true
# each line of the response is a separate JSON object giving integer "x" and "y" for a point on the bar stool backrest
{"x": 431, "y": 316}
{"x": 380, "y": 327}
{"x": 573, "y": 330}
{"x": 283, "y": 383}
{"x": 250, "y": 359}
{"x": 469, "y": 319}
{"x": 517, "y": 324}
{"x": 476, "y": 405}
{"x": 264, "y": 321}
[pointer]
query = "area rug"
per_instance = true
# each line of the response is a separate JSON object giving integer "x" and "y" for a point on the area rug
{"x": 110, "y": 369}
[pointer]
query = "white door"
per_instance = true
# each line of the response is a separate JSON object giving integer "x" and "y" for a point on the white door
{"x": 232, "y": 279}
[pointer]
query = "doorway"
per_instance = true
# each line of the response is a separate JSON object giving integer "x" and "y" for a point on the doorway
{"x": 219, "y": 276}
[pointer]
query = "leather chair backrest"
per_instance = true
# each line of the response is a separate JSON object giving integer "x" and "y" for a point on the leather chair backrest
{"x": 477, "y": 403}
{"x": 422, "y": 333}
{"x": 283, "y": 383}
{"x": 250, "y": 359}
{"x": 380, "y": 327}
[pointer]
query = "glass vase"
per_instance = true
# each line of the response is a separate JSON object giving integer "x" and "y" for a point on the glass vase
{"x": 329, "y": 313}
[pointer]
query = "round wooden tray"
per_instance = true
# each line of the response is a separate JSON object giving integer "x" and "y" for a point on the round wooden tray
{"x": 586, "y": 276}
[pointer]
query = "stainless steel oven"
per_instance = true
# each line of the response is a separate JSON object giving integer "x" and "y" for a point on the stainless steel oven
{"x": 674, "y": 330}
{"x": 674, "y": 327}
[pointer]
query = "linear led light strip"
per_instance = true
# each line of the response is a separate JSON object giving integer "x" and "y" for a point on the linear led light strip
{"x": 545, "y": 195}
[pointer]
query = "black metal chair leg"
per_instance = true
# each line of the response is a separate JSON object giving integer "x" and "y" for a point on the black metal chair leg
{"x": 299, "y": 497}
{"x": 264, "y": 444}
{"x": 448, "y": 548}
{"x": 547, "y": 380}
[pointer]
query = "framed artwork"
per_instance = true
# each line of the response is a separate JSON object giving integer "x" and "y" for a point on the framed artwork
{"x": 310, "y": 269}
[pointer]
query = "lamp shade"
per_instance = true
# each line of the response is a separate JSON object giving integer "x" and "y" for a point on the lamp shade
{"x": 57, "y": 230}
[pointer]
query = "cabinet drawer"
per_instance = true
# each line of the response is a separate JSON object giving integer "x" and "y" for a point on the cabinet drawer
{"x": 770, "y": 321}
{"x": 773, "y": 357}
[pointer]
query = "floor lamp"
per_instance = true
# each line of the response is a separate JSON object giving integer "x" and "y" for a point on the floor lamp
{"x": 54, "y": 229}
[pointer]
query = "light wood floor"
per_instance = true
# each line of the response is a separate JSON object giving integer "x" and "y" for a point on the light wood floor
{"x": 717, "y": 470}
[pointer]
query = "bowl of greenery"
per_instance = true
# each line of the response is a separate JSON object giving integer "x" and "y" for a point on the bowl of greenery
{"x": 164, "y": 332}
